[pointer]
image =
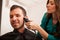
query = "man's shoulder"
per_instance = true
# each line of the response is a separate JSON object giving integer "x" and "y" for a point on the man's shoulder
{"x": 31, "y": 35}
{"x": 6, "y": 34}
{"x": 28, "y": 32}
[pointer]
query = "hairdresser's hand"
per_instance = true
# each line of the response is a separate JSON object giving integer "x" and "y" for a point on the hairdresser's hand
{"x": 32, "y": 25}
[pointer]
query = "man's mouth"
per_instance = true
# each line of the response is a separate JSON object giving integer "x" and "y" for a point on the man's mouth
{"x": 14, "y": 23}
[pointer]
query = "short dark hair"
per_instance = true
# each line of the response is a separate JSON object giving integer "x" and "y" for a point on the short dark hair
{"x": 16, "y": 6}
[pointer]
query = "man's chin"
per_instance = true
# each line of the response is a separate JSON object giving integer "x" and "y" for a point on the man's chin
{"x": 18, "y": 27}
{"x": 15, "y": 26}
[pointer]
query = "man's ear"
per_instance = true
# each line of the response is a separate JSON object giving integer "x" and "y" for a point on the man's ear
{"x": 26, "y": 19}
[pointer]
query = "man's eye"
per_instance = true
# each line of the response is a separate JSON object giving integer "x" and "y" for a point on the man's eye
{"x": 17, "y": 15}
{"x": 11, "y": 16}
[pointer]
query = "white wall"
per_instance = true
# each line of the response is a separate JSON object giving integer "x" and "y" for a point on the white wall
{"x": 35, "y": 10}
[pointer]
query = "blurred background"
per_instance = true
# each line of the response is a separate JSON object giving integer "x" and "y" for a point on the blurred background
{"x": 35, "y": 11}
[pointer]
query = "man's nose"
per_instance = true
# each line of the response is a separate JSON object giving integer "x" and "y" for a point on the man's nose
{"x": 14, "y": 18}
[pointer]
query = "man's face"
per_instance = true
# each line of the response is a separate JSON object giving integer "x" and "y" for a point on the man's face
{"x": 16, "y": 18}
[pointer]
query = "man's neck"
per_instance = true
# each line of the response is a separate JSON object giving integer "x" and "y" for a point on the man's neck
{"x": 21, "y": 30}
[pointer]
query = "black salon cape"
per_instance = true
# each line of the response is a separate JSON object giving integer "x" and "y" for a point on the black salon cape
{"x": 15, "y": 35}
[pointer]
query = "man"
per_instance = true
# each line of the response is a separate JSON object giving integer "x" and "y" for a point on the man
{"x": 17, "y": 14}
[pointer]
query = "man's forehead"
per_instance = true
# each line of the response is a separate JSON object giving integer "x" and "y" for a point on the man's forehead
{"x": 16, "y": 11}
